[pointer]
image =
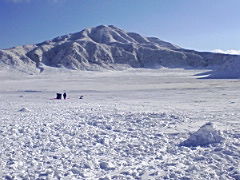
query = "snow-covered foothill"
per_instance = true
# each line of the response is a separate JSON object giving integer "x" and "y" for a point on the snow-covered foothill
{"x": 229, "y": 70}
{"x": 206, "y": 135}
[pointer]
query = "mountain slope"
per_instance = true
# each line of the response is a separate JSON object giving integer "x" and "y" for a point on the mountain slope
{"x": 106, "y": 47}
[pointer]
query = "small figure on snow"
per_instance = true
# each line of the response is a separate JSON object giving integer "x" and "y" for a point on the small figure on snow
{"x": 64, "y": 95}
{"x": 59, "y": 96}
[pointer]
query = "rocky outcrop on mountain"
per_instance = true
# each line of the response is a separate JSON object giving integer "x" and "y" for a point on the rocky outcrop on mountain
{"x": 106, "y": 47}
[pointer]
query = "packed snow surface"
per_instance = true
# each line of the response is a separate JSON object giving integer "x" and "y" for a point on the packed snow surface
{"x": 128, "y": 125}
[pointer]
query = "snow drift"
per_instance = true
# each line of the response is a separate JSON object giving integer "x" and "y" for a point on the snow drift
{"x": 106, "y": 47}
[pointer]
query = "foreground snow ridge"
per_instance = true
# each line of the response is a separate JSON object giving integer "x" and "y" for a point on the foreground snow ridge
{"x": 206, "y": 135}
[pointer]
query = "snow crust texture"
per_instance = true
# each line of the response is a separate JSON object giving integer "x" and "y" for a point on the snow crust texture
{"x": 106, "y": 47}
{"x": 86, "y": 141}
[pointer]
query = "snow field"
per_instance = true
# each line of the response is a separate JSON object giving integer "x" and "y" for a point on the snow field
{"x": 121, "y": 133}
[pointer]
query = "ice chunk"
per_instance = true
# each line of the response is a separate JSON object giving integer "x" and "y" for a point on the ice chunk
{"x": 106, "y": 166}
{"x": 204, "y": 136}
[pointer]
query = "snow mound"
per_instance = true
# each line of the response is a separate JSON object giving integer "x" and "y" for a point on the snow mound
{"x": 206, "y": 135}
{"x": 24, "y": 110}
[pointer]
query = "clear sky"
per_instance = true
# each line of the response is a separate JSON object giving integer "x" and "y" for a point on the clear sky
{"x": 195, "y": 24}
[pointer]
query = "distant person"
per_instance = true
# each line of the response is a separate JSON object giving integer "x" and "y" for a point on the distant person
{"x": 64, "y": 95}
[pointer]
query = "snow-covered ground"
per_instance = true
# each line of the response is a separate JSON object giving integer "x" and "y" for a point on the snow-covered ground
{"x": 128, "y": 125}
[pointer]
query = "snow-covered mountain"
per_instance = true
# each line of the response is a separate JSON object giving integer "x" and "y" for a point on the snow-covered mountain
{"x": 106, "y": 47}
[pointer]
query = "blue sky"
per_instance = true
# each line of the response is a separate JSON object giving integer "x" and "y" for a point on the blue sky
{"x": 196, "y": 24}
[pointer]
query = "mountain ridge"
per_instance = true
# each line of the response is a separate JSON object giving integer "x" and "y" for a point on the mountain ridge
{"x": 106, "y": 47}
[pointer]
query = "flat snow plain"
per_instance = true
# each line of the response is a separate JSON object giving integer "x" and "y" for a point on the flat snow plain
{"x": 128, "y": 125}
